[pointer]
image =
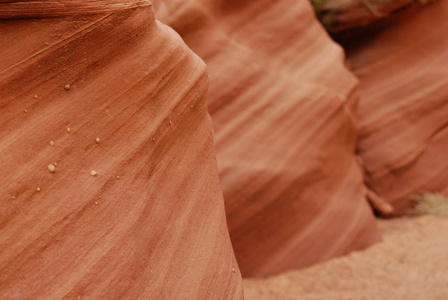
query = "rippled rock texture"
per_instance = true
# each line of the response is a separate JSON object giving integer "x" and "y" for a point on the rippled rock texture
{"x": 135, "y": 214}
{"x": 283, "y": 107}
{"x": 403, "y": 112}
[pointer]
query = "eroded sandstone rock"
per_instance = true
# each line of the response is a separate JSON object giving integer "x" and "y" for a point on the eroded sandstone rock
{"x": 283, "y": 107}
{"x": 343, "y": 18}
{"x": 403, "y": 112}
{"x": 131, "y": 208}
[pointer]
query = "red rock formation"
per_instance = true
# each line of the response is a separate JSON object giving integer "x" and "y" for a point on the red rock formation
{"x": 404, "y": 109}
{"x": 345, "y": 17}
{"x": 150, "y": 224}
{"x": 283, "y": 108}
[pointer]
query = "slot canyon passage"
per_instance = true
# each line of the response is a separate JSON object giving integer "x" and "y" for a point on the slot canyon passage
{"x": 223, "y": 149}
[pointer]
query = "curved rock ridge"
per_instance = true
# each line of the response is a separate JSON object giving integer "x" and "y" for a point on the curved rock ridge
{"x": 57, "y": 8}
{"x": 283, "y": 109}
{"x": 110, "y": 187}
{"x": 404, "y": 106}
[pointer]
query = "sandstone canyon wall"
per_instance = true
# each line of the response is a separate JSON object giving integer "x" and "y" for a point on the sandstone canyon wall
{"x": 135, "y": 214}
{"x": 403, "y": 112}
{"x": 283, "y": 107}
{"x": 346, "y": 17}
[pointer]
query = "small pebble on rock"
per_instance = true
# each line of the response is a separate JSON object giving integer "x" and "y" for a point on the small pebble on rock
{"x": 51, "y": 168}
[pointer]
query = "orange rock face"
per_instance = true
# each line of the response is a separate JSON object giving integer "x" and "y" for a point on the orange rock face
{"x": 283, "y": 107}
{"x": 110, "y": 187}
{"x": 345, "y": 17}
{"x": 404, "y": 108}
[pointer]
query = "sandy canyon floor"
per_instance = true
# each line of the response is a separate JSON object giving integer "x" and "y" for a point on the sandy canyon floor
{"x": 411, "y": 263}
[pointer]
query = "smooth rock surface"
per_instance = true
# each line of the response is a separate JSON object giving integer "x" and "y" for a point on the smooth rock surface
{"x": 403, "y": 112}
{"x": 133, "y": 209}
{"x": 283, "y": 107}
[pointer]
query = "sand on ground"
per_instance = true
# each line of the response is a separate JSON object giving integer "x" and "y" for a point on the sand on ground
{"x": 411, "y": 263}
